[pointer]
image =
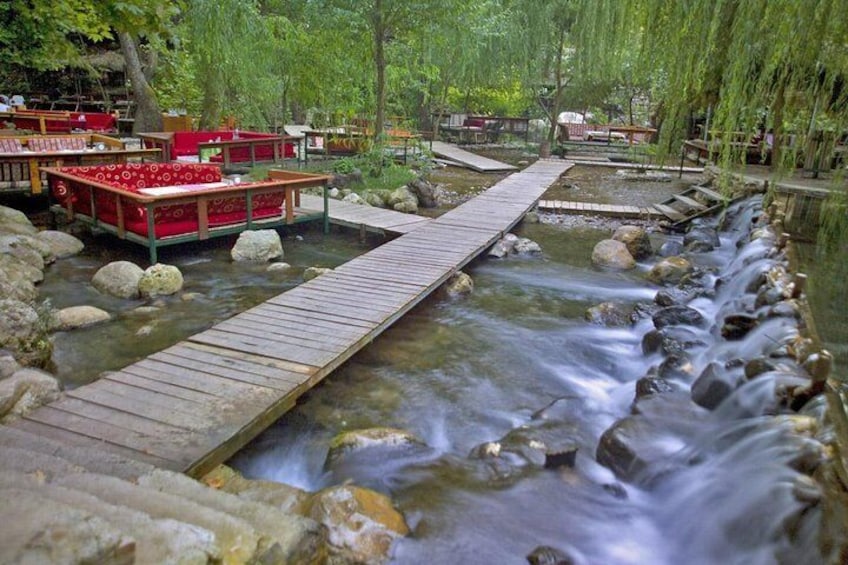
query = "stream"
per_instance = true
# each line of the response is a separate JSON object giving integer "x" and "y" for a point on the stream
{"x": 515, "y": 358}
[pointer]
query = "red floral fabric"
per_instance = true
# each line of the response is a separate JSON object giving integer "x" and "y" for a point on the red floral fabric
{"x": 168, "y": 220}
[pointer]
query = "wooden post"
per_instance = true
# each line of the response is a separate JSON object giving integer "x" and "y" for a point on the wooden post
{"x": 800, "y": 281}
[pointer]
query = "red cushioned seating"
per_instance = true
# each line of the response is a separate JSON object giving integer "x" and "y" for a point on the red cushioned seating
{"x": 170, "y": 219}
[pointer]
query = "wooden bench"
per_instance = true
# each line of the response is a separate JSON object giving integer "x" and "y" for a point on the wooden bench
{"x": 169, "y": 203}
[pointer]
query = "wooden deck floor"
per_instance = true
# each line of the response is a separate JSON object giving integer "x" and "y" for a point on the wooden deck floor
{"x": 196, "y": 403}
{"x": 363, "y": 217}
{"x": 464, "y": 158}
{"x": 614, "y": 210}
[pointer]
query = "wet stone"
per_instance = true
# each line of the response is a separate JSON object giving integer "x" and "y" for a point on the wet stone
{"x": 651, "y": 384}
{"x": 713, "y": 385}
{"x": 675, "y": 315}
{"x": 758, "y": 366}
{"x": 652, "y": 341}
{"x": 547, "y": 555}
{"x": 675, "y": 367}
{"x": 737, "y": 326}
{"x": 671, "y": 248}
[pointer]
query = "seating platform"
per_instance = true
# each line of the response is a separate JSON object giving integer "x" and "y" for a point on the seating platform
{"x": 162, "y": 204}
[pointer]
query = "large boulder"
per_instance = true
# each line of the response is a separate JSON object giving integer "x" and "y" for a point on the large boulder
{"x": 8, "y": 364}
{"x": 15, "y": 222}
{"x": 670, "y": 270}
{"x": 677, "y": 315}
{"x": 609, "y": 314}
{"x": 75, "y": 317}
{"x": 403, "y": 200}
{"x": 636, "y": 239}
{"x": 14, "y": 283}
{"x": 160, "y": 280}
{"x": 19, "y": 322}
{"x": 24, "y": 333}
{"x": 459, "y": 285}
{"x": 23, "y": 248}
{"x": 504, "y": 246}
{"x": 525, "y": 246}
{"x": 118, "y": 278}
{"x": 257, "y": 245}
{"x": 428, "y": 194}
{"x": 16, "y": 269}
{"x": 362, "y": 524}
{"x": 612, "y": 254}
{"x": 374, "y": 198}
{"x": 61, "y": 244}
{"x": 26, "y": 390}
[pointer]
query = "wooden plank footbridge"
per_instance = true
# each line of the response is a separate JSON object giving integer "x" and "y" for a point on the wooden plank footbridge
{"x": 463, "y": 158}
{"x": 193, "y": 405}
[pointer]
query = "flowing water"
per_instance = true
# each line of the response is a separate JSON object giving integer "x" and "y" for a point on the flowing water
{"x": 516, "y": 357}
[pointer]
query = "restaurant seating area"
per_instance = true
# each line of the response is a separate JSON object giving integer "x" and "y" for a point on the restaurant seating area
{"x": 157, "y": 204}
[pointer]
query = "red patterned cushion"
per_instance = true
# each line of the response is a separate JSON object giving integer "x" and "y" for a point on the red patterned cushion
{"x": 10, "y": 145}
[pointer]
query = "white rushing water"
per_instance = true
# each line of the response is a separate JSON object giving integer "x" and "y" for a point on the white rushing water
{"x": 518, "y": 355}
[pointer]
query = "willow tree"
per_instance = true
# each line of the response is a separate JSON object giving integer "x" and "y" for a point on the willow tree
{"x": 230, "y": 43}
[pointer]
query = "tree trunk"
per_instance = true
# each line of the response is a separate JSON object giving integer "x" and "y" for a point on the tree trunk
{"x": 148, "y": 116}
{"x": 380, "y": 63}
{"x": 555, "y": 103}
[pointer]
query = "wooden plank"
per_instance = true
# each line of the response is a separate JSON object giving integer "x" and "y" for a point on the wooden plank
{"x": 670, "y": 212}
{"x": 689, "y": 201}
{"x": 180, "y": 360}
{"x": 255, "y": 364}
{"x": 358, "y": 293}
{"x": 711, "y": 194}
{"x": 311, "y": 329}
{"x": 95, "y": 423}
{"x": 281, "y": 334}
{"x": 66, "y": 437}
{"x": 315, "y": 323}
{"x": 141, "y": 403}
{"x": 158, "y": 386}
{"x": 260, "y": 346}
{"x": 309, "y": 315}
{"x": 218, "y": 385}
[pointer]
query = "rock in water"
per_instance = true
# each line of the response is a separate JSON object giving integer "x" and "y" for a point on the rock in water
{"x": 62, "y": 244}
{"x": 636, "y": 239}
{"x": 613, "y": 255}
{"x": 677, "y": 315}
{"x": 362, "y": 523}
{"x": 160, "y": 280}
{"x": 311, "y": 272}
{"x": 670, "y": 270}
{"x": 503, "y": 246}
{"x": 525, "y": 246}
{"x": 79, "y": 317}
{"x": 460, "y": 284}
{"x": 257, "y": 245}
{"x": 119, "y": 278}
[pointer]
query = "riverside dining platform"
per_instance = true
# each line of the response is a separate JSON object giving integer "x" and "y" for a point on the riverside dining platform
{"x": 21, "y": 157}
{"x": 161, "y": 204}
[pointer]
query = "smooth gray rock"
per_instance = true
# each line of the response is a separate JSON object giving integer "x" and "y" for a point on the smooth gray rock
{"x": 26, "y": 390}
{"x": 670, "y": 270}
{"x": 612, "y": 254}
{"x": 75, "y": 317}
{"x": 636, "y": 239}
{"x": 257, "y": 245}
{"x": 37, "y": 529}
{"x": 62, "y": 244}
{"x": 119, "y": 279}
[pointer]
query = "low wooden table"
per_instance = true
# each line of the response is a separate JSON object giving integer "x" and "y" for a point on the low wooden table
{"x": 22, "y": 168}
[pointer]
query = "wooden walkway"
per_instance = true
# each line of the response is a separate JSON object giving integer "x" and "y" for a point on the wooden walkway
{"x": 193, "y": 405}
{"x": 613, "y": 210}
{"x": 591, "y": 162}
{"x": 464, "y": 158}
{"x": 363, "y": 217}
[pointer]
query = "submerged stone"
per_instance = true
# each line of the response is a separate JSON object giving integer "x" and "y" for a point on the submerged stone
{"x": 677, "y": 315}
